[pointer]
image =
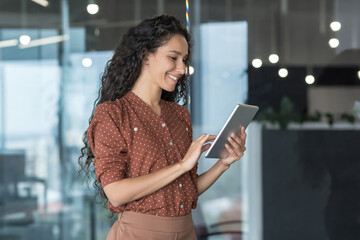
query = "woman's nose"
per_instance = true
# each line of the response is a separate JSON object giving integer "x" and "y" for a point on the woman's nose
{"x": 181, "y": 68}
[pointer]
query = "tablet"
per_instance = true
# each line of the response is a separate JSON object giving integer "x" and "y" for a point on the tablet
{"x": 241, "y": 116}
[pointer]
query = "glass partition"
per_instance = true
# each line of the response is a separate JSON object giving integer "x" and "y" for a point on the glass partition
{"x": 297, "y": 60}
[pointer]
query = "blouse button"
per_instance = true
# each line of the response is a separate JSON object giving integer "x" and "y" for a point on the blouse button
{"x": 181, "y": 206}
{"x": 187, "y": 129}
{"x": 163, "y": 125}
{"x": 180, "y": 185}
{"x": 135, "y": 129}
{"x": 171, "y": 143}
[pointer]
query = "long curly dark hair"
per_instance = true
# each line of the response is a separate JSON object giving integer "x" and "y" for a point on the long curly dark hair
{"x": 122, "y": 71}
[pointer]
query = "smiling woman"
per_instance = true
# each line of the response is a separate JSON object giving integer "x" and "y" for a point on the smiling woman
{"x": 163, "y": 69}
{"x": 139, "y": 140}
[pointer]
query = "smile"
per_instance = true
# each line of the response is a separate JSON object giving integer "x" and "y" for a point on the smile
{"x": 171, "y": 76}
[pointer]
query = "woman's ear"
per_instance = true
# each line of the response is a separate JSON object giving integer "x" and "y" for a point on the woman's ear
{"x": 146, "y": 58}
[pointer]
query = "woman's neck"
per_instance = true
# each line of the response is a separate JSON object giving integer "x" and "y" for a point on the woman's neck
{"x": 149, "y": 94}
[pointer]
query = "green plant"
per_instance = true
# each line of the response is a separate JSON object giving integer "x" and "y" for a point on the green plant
{"x": 348, "y": 117}
{"x": 329, "y": 118}
{"x": 286, "y": 115}
{"x": 316, "y": 117}
{"x": 283, "y": 117}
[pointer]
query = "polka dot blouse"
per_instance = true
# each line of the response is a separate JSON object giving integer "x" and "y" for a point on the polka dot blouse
{"x": 129, "y": 139}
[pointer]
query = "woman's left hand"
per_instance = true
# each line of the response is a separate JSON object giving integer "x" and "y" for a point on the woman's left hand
{"x": 236, "y": 148}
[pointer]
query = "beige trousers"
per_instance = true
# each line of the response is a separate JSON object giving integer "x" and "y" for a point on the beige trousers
{"x": 138, "y": 226}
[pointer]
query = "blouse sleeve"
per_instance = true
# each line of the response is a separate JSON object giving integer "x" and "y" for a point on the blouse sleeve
{"x": 107, "y": 144}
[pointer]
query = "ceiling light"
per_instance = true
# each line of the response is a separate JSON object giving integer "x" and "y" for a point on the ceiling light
{"x": 92, "y": 8}
{"x": 191, "y": 70}
{"x": 273, "y": 58}
{"x": 309, "y": 79}
{"x": 335, "y": 26}
{"x": 43, "y": 3}
{"x": 283, "y": 72}
{"x": 86, "y": 62}
{"x": 46, "y": 41}
{"x": 358, "y": 73}
{"x": 9, "y": 43}
{"x": 24, "y": 39}
{"x": 334, "y": 43}
{"x": 257, "y": 63}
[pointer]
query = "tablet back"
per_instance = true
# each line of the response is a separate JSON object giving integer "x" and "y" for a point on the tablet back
{"x": 241, "y": 116}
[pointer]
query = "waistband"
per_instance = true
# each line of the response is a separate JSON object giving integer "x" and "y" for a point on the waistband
{"x": 156, "y": 223}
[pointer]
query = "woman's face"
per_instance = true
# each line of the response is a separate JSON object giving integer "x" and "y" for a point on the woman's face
{"x": 167, "y": 65}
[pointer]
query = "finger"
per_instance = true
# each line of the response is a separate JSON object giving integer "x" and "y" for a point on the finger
{"x": 230, "y": 150}
{"x": 238, "y": 149}
{"x": 236, "y": 138}
{"x": 243, "y": 135}
{"x": 212, "y": 137}
{"x": 202, "y": 136}
{"x": 199, "y": 142}
{"x": 204, "y": 139}
{"x": 243, "y": 149}
{"x": 240, "y": 132}
{"x": 237, "y": 146}
{"x": 205, "y": 147}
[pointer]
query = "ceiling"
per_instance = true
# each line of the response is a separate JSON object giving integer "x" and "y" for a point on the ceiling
{"x": 298, "y": 31}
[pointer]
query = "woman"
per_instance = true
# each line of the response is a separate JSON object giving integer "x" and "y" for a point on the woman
{"x": 140, "y": 140}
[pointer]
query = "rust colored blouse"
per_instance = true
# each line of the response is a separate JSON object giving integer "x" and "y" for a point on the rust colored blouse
{"x": 128, "y": 139}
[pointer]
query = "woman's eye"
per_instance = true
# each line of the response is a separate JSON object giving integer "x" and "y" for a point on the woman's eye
{"x": 173, "y": 58}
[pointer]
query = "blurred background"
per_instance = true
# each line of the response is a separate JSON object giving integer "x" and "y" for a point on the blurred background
{"x": 297, "y": 60}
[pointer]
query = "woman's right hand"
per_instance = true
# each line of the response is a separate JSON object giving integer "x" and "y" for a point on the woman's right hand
{"x": 141, "y": 186}
{"x": 195, "y": 150}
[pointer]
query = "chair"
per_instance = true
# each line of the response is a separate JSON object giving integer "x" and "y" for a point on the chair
{"x": 220, "y": 228}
